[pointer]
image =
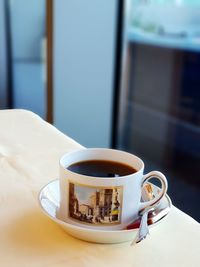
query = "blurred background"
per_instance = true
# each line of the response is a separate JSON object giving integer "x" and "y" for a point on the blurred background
{"x": 121, "y": 74}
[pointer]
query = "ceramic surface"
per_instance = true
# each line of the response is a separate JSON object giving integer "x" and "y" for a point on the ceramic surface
{"x": 109, "y": 204}
{"x": 49, "y": 200}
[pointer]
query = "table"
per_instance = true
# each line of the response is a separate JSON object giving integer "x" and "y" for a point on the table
{"x": 30, "y": 149}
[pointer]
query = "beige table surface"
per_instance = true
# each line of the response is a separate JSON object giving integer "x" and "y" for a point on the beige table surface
{"x": 29, "y": 152}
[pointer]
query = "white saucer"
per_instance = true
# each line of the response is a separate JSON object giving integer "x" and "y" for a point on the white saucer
{"x": 49, "y": 197}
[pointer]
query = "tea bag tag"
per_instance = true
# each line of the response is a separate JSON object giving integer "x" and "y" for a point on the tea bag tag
{"x": 147, "y": 192}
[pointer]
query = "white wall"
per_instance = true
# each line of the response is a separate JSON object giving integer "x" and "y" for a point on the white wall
{"x": 84, "y": 43}
{"x": 27, "y": 32}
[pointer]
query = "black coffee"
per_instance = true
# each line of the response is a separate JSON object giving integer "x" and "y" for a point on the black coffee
{"x": 102, "y": 168}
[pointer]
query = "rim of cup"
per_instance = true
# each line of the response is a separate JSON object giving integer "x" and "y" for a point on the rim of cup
{"x": 68, "y": 155}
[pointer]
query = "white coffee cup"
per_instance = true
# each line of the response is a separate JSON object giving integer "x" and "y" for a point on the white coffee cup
{"x": 79, "y": 193}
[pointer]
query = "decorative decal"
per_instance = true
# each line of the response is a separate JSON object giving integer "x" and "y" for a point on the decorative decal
{"x": 95, "y": 205}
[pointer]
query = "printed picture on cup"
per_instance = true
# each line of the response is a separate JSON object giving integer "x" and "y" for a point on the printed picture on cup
{"x": 95, "y": 205}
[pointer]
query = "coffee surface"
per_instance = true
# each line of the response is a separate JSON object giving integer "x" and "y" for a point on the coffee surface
{"x": 102, "y": 168}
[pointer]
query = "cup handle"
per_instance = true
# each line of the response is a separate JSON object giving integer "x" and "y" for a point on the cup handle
{"x": 153, "y": 202}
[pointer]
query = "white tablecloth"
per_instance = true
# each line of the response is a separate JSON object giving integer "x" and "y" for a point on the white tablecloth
{"x": 30, "y": 150}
